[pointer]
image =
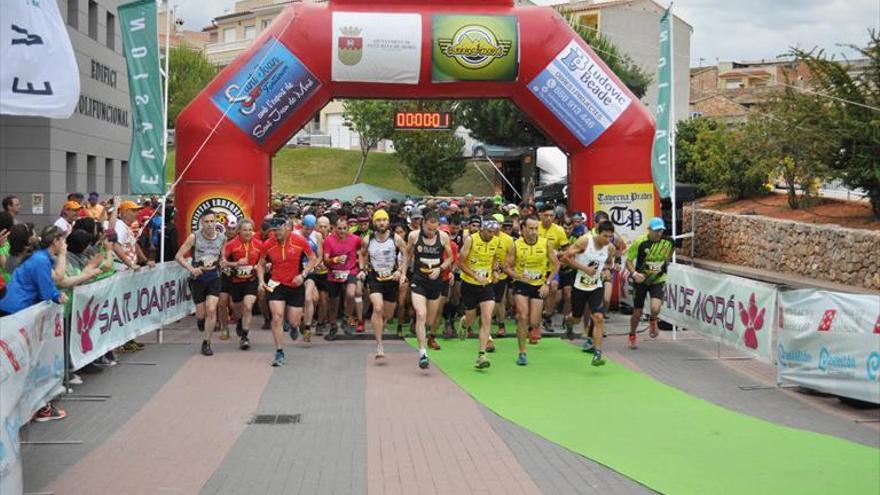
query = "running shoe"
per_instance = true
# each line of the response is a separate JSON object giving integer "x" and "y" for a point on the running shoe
{"x": 588, "y": 345}
{"x": 224, "y": 335}
{"x": 244, "y": 344}
{"x": 490, "y": 346}
{"x": 74, "y": 379}
{"x": 432, "y": 343}
{"x": 91, "y": 369}
{"x": 206, "y": 348}
{"x": 482, "y": 362}
{"x": 139, "y": 346}
{"x": 521, "y": 360}
{"x": 285, "y": 327}
{"x": 632, "y": 341}
{"x": 307, "y": 335}
{"x": 360, "y": 327}
{"x": 294, "y": 333}
{"x": 106, "y": 361}
{"x": 348, "y": 329}
{"x": 569, "y": 329}
{"x": 319, "y": 329}
{"x": 547, "y": 323}
{"x": 501, "y": 331}
{"x": 423, "y": 361}
{"x": 652, "y": 324}
{"x": 331, "y": 334}
{"x": 280, "y": 359}
{"x": 380, "y": 352}
{"x": 598, "y": 359}
{"x": 49, "y": 413}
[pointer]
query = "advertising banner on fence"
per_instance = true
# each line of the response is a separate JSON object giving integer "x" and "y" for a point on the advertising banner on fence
{"x": 735, "y": 310}
{"x": 111, "y": 312}
{"x": 580, "y": 93}
{"x": 31, "y": 370}
{"x": 475, "y": 48}
{"x": 830, "y": 341}
{"x": 380, "y": 48}
{"x": 629, "y": 206}
{"x": 266, "y": 90}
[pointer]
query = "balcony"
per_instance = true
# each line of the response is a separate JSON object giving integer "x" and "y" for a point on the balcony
{"x": 223, "y": 54}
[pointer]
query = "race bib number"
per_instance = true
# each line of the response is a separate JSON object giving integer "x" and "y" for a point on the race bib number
{"x": 430, "y": 264}
{"x": 384, "y": 274}
{"x": 655, "y": 266}
{"x": 339, "y": 275}
{"x": 244, "y": 271}
{"x": 589, "y": 281}
{"x": 208, "y": 262}
{"x": 272, "y": 285}
{"x": 533, "y": 275}
{"x": 482, "y": 273}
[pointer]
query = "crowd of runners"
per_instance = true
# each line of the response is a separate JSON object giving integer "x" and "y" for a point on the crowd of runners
{"x": 445, "y": 268}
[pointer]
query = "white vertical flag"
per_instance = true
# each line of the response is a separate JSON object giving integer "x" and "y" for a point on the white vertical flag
{"x": 39, "y": 75}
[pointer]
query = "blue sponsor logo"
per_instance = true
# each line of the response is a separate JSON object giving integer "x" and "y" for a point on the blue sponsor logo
{"x": 788, "y": 358}
{"x": 829, "y": 362}
{"x": 872, "y": 366}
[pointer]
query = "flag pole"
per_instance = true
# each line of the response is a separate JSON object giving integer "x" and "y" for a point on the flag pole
{"x": 168, "y": 11}
{"x": 672, "y": 132}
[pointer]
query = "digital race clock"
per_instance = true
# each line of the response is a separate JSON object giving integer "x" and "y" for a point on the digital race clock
{"x": 416, "y": 120}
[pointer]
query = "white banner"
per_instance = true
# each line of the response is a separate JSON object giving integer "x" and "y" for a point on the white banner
{"x": 31, "y": 370}
{"x": 39, "y": 75}
{"x": 830, "y": 341}
{"x": 735, "y": 310}
{"x": 381, "y": 48}
{"x": 111, "y": 312}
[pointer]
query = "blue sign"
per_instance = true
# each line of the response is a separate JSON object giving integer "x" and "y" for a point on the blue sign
{"x": 580, "y": 93}
{"x": 266, "y": 90}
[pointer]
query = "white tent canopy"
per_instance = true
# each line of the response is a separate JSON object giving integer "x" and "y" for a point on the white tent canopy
{"x": 553, "y": 164}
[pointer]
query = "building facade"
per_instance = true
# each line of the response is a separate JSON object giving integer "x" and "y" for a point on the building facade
{"x": 42, "y": 160}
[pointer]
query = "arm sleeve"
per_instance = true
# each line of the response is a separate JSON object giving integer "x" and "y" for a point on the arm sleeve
{"x": 633, "y": 251}
{"x": 45, "y": 284}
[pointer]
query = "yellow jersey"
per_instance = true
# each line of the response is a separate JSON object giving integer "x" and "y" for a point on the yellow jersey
{"x": 506, "y": 242}
{"x": 555, "y": 234}
{"x": 532, "y": 260}
{"x": 481, "y": 258}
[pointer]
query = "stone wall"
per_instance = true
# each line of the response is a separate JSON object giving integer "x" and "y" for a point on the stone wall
{"x": 822, "y": 252}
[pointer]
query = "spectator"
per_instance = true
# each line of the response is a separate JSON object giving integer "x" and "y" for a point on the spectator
{"x": 95, "y": 209}
{"x": 69, "y": 214}
{"x": 12, "y": 205}
{"x": 128, "y": 253}
{"x": 32, "y": 281}
{"x": 22, "y": 241}
{"x": 79, "y": 198}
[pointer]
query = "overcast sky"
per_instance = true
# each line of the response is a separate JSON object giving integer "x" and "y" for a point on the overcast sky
{"x": 723, "y": 29}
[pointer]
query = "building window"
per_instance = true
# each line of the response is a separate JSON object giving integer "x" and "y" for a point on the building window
{"x": 229, "y": 35}
{"x": 250, "y": 32}
{"x": 589, "y": 20}
{"x": 108, "y": 175}
{"x": 71, "y": 172}
{"x": 111, "y": 31}
{"x": 733, "y": 84}
{"x": 93, "y": 20}
{"x": 265, "y": 23}
{"x": 123, "y": 184}
{"x": 91, "y": 173}
{"x": 73, "y": 13}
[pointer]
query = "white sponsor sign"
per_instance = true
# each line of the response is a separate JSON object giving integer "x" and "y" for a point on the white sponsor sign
{"x": 38, "y": 73}
{"x": 734, "y": 310}
{"x": 381, "y": 48}
{"x": 31, "y": 370}
{"x": 830, "y": 341}
{"x": 108, "y": 313}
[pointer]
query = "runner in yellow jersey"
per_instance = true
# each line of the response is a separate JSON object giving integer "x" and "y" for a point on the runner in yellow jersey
{"x": 501, "y": 286}
{"x": 559, "y": 240}
{"x": 531, "y": 263}
{"x": 477, "y": 262}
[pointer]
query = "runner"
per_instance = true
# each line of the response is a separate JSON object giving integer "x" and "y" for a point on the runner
{"x": 500, "y": 287}
{"x": 619, "y": 244}
{"x": 448, "y": 298}
{"x": 477, "y": 262}
{"x": 341, "y": 258}
{"x": 315, "y": 280}
{"x": 241, "y": 255}
{"x": 224, "y": 305}
{"x": 566, "y": 280}
{"x": 382, "y": 273}
{"x": 559, "y": 240}
{"x": 206, "y": 245}
{"x": 426, "y": 248}
{"x": 286, "y": 289}
{"x": 531, "y": 263}
{"x": 324, "y": 229}
{"x": 591, "y": 255}
{"x": 647, "y": 260}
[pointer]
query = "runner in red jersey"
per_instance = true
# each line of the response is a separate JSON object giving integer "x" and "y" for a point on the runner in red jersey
{"x": 286, "y": 290}
{"x": 241, "y": 256}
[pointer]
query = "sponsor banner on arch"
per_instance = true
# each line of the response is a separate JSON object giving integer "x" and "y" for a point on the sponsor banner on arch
{"x": 31, "y": 370}
{"x": 830, "y": 341}
{"x": 629, "y": 206}
{"x": 266, "y": 90}
{"x": 734, "y": 310}
{"x": 109, "y": 313}
{"x": 377, "y": 47}
{"x": 231, "y": 202}
{"x": 475, "y": 48}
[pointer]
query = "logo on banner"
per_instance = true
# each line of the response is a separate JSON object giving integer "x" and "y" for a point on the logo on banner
{"x": 827, "y": 320}
{"x": 228, "y": 212}
{"x": 877, "y": 325}
{"x": 475, "y": 48}
{"x": 787, "y": 358}
{"x": 351, "y": 45}
{"x": 835, "y": 363}
{"x": 85, "y": 321}
{"x": 872, "y": 366}
{"x": 627, "y": 205}
{"x": 753, "y": 320}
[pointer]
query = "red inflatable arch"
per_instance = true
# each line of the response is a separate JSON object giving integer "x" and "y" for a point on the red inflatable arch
{"x": 449, "y": 49}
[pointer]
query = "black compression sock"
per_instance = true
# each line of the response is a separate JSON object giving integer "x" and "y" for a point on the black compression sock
{"x": 200, "y": 322}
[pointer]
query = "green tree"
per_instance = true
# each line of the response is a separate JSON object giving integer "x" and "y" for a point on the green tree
{"x": 501, "y": 122}
{"x": 432, "y": 159}
{"x": 686, "y": 162}
{"x": 855, "y": 125}
{"x": 723, "y": 159}
{"x": 373, "y": 120}
{"x": 190, "y": 72}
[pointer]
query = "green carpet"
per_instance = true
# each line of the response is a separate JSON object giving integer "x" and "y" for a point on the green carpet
{"x": 661, "y": 437}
